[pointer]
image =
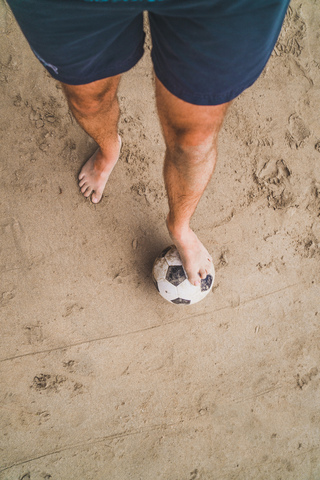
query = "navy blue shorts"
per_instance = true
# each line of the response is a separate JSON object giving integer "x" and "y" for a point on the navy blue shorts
{"x": 205, "y": 52}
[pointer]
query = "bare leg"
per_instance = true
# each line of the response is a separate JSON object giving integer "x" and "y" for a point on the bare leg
{"x": 95, "y": 107}
{"x": 190, "y": 133}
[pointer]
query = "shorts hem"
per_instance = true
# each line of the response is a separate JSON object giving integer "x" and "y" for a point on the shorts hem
{"x": 117, "y": 69}
{"x": 204, "y": 99}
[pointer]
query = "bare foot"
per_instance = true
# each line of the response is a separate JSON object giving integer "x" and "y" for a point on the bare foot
{"x": 96, "y": 171}
{"x": 195, "y": 258}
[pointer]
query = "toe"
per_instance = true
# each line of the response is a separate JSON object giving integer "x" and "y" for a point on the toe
{"x": 202, "y": 273}
{"x": 88, "y": 192}
{"x": 96, "y": 196}
{"x": 81, "y": 175}
{"x": 84, "y": 187}
{"x": 194, "y": 280}
{"x": 82, "y": 182}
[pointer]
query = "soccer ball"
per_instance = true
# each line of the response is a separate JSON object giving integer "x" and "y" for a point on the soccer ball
{"x": 172, "y": 282}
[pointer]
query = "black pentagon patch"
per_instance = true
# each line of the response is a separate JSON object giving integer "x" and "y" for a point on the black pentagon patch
{"x": 176, "y": 274}
{"x": 164, "y": 252}
{"x": 206, "y": 283}
{"x": 181, "y": 301}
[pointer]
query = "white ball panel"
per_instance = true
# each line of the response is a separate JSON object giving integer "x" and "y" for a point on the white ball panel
{"x": 172, "y": 257}
{"x": 187, "y": 290}
{"x": 160, "y": 268}
{"x": 199, "y": 296}
{"x": 167, "y": 290}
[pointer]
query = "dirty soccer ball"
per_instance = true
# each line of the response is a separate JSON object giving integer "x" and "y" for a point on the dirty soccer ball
{"x": 171, "y": 279}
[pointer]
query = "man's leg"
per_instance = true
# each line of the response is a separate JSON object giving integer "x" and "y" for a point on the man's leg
{"x": 190, "y": 133}
{"x": 95, "y": 107}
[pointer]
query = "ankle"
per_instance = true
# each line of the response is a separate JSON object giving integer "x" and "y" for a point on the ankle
{"x": 177, "y": 230}
{"x": 110, "y": 147}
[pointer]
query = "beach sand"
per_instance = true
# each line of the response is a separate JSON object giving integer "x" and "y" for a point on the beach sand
{"x": 100, "y": 377}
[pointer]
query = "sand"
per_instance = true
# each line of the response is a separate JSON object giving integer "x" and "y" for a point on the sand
{"x": 100, "y": 377}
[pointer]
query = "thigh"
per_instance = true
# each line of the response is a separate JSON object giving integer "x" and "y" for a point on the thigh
{"x": 80, "y": 42}
{"x": 207, "y": 52}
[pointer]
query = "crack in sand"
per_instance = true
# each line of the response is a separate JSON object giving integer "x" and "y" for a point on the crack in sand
{"x": 93, "y": 442}
{"x": 118, "y": 335}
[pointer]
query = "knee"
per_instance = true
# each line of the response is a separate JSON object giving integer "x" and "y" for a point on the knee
{"x": 90, "y": 99}
{"x": 193, "y": 146}
{"x": 88, "y": 105}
